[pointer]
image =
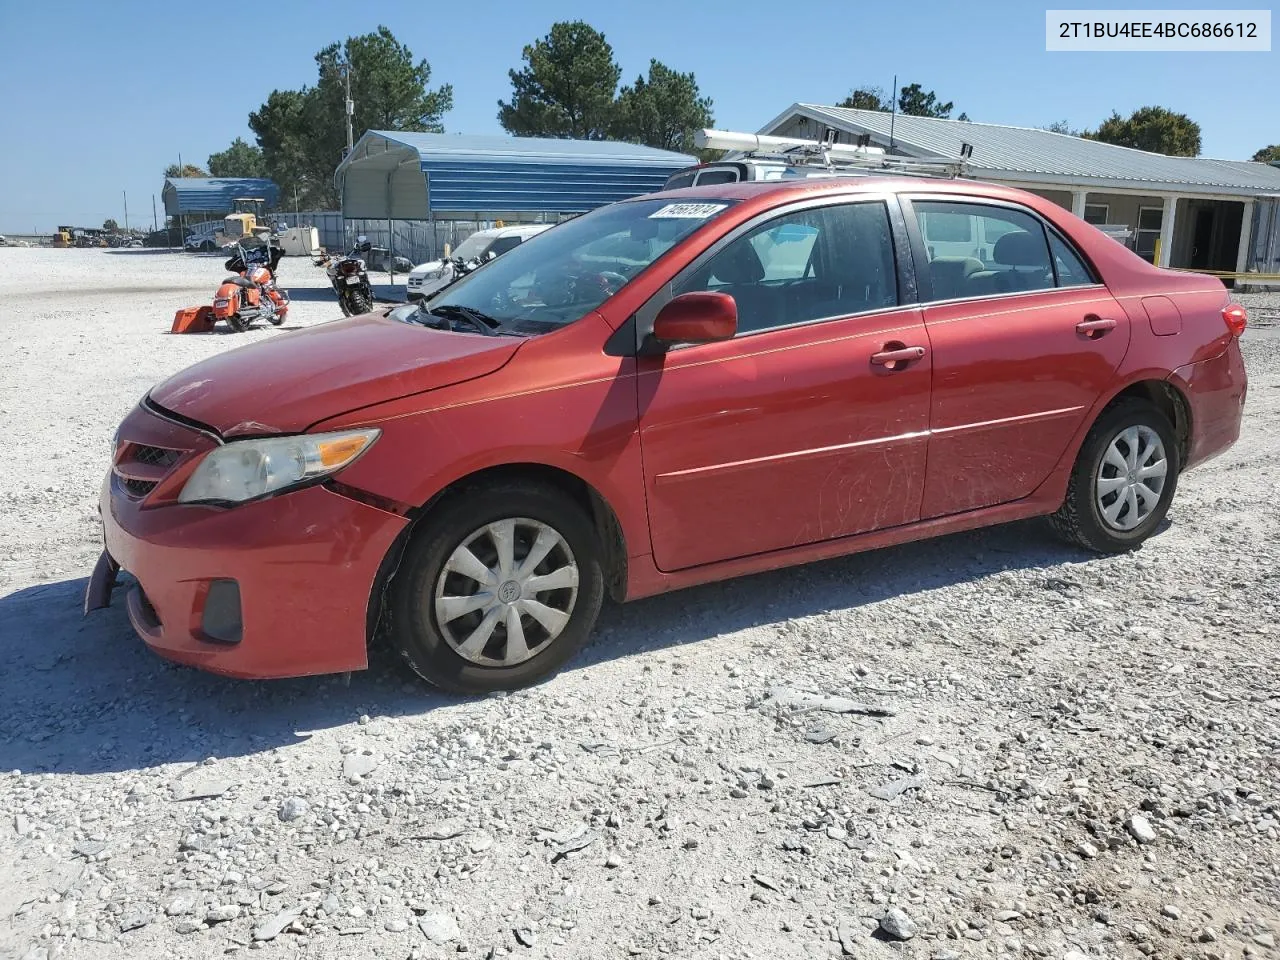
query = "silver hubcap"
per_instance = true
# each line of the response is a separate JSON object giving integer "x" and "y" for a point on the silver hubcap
{"x": 1131, "y": 477}
{"x": 506, "y": 592}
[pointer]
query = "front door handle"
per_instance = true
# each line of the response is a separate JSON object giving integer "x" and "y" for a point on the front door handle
{"x": 898, "y": 358}
{"x": 1094, "y": 326}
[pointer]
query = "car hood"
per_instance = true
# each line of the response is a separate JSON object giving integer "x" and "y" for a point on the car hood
{"x": 288, "y": 383}
{"x": 422, "y": 269}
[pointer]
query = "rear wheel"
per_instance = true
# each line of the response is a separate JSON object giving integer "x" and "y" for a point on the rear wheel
{"x": 1123, "y": 481}
{"x": 237, "y": 323}
{"x": 498, "y": 589}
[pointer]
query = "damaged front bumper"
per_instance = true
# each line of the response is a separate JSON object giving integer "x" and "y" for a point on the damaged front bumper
{"x": 101, "y": 582}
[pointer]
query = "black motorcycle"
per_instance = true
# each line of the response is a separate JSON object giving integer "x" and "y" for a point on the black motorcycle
{"x": 350, "y": 279}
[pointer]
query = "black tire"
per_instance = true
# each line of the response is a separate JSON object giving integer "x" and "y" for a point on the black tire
{"x": 237, "y": 323}
{"x": 342, "y": 302}
{"x": 1079, "y": 520}
{"x": 413, "y": 629}
{"x": 360, "y": 304}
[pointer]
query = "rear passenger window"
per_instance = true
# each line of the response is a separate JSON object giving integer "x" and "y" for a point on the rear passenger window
{"x": 976, "y": 250}
{"x": 814, "y": 264}
{"x": 1071, "y": 269}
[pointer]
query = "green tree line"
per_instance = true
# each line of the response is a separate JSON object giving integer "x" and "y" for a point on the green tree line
{"x": 569, "y": 85}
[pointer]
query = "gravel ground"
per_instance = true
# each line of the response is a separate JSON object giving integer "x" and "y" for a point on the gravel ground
{"x": 986, "y": 745}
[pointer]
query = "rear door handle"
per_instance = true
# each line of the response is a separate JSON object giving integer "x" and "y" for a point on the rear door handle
{"x": 1093, "y": 326}
{"x": 903, "y": 355}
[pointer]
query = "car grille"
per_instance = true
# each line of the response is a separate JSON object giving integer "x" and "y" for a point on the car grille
{"x": 138, "y": 488}
{"x": 156, "y": 456}
{"x": 140, "y": 467}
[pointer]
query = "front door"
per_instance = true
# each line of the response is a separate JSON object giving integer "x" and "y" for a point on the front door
{"x": 803, "y": 427}
{"x": 1023, "y": 342}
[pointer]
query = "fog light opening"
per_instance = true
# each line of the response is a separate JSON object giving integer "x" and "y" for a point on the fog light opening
{"x": 220, "y": 620}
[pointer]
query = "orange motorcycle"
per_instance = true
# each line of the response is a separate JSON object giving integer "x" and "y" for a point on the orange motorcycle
{"x": 252, "y": 294}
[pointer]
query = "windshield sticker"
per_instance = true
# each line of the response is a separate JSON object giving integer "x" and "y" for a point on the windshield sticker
{"x": 687, "y": 211}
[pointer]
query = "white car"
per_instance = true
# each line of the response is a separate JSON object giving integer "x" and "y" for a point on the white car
{"x": 426, "y": 278}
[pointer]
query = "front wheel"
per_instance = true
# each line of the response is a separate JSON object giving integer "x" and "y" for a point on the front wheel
{"x": 498, "y": 589}
{"x": 1123, "y": 480}
{"x": 361, "y": 303}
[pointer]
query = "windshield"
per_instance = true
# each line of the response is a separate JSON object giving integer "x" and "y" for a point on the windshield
{"x": 556, "y": 277}
{"x": 471, "y": 247}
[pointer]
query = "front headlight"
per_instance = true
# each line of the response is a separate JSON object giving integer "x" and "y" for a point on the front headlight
{"x": 247, "y": 469}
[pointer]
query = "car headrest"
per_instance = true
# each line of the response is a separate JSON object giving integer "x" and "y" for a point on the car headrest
{"x": 738, "y": 264}
{"x": 964, "y": 266}
{"x": 1020, "y": 249}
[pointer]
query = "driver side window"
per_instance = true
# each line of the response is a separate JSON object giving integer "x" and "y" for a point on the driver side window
{"x": 809, "y": 265}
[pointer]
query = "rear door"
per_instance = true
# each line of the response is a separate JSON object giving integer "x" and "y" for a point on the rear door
{"x": 800, "y": 429}
{"x": 1025, "y": 338}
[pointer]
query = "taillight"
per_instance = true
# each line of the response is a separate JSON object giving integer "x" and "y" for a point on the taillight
{"x": 1236, "y": 318}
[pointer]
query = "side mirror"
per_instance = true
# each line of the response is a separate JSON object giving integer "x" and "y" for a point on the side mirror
{"x": 701, "y": 317}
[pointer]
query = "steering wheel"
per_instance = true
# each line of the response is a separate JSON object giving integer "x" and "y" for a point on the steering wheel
{"x": 609, "y": 281}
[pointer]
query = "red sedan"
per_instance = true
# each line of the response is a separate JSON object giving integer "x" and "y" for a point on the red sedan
{"x": 666, "y": 391}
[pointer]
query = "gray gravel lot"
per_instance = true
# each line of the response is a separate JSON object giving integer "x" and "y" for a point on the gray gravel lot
{"x": 985, "y": 745}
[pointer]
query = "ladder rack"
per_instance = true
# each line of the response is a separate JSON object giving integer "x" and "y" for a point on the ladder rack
{"x": 829, "y": 155}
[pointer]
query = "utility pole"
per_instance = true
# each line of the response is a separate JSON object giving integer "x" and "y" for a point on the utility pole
{"x": 154, "y": 224}
{"x": 894, "y": 115}
{"x": 349, "y": 106}
{"x": 125, "y": 194}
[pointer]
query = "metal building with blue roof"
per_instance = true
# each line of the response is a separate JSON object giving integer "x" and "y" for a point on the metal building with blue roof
{"x": 437, "y": 176}
{"x": 187, "y": 195}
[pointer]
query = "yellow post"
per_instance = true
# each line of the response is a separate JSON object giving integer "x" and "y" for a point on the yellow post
{"x": 1156, "y": 260}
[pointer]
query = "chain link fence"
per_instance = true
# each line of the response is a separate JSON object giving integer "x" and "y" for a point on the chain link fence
{"x": 414, "y": 240}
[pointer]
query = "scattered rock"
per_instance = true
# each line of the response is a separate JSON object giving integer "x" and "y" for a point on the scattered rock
{"x": 1140, "y": 829}
{"x": 292, "y": 808}
{"x": 276, "y": 925}
{"x": 1086, "y": 849}
{"x": 135, "y": 918}
{"x": 897, "y": 925}
{"x": 396, "y": 925}
{"x": 222, "y": 913}
{"x": 799, "y": 701}
{"x": 888, "y": 791}
{"x": 89, "y": 848}
{"x": 200, "y": 788}
{"x": 358, "y": 765}
{"x": 439, "y": 927}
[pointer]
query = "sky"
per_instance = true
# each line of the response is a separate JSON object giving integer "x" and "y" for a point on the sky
{"x": 100, "y": 97}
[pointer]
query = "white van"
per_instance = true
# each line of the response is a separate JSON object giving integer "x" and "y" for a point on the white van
{"x": 426, "y": 278}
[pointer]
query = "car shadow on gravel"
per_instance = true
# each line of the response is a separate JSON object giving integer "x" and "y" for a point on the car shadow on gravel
{"x": 83, "y": 695}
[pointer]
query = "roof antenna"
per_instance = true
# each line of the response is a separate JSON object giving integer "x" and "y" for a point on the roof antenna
{"x": 893, "y": 116}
